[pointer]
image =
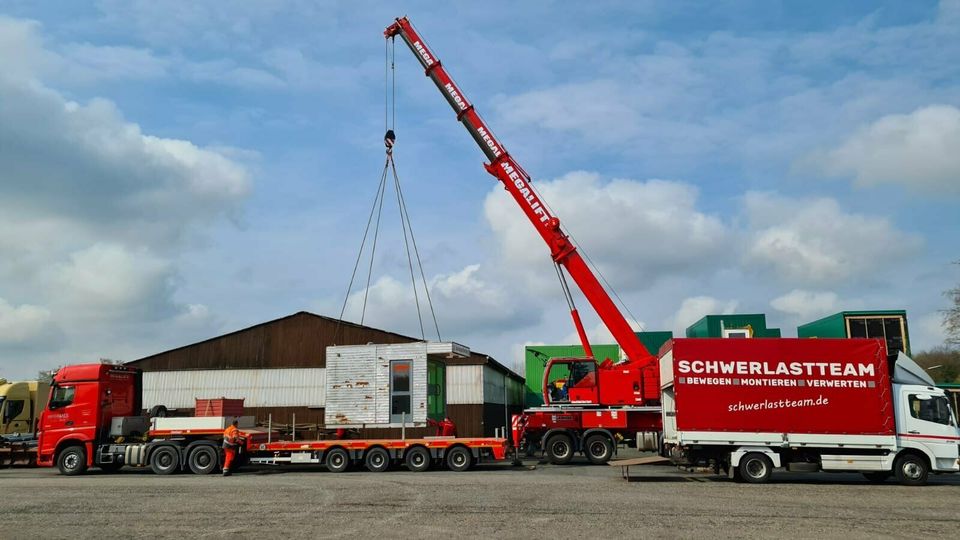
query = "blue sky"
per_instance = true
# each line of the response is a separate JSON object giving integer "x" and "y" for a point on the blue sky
{"x": 170, "y": 171}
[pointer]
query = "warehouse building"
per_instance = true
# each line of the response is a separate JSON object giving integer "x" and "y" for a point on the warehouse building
{"x": 286, "y": 374}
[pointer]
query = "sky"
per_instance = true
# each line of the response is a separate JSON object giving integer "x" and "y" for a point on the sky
{"x": 171, "y": 171}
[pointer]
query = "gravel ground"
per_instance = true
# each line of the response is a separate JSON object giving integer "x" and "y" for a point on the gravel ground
{"x": 493, "y": 501}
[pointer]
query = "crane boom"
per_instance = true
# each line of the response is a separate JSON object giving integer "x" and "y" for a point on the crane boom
{"x": 516, "y": 181}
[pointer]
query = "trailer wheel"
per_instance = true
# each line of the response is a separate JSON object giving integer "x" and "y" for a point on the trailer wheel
{"x": 877, "y": 477}
{"x": 203, "y": 459}
{"x": 72, "y": 460}
{"x": 599, "y": 449}
{"x": 911, "y": 470}
{"x": 459, "y": 459}
{"x": 755, "y": 468}
{"x": 559, "y": 449}
{"x": 337, "y": 460}
{"x": 165, "y": 460}
{"x": 418, "y": 459}
{"x": 377, "y": 460}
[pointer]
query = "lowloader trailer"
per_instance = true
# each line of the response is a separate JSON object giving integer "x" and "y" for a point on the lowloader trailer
{"x": 748, "y": 406}
{"x": 93, "y": 420}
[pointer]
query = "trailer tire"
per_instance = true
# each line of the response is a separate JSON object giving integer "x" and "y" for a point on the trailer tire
{"x": 337, "y": 460}
{"x": 599, "y": 449}
{"x": 377, "y": 460}
{"x": 877, "y": 477}
{"x": 912, "y": 470}
{"x": 459, "y": 459}
{"x": 72, "y": 461}
{"x": 755, "y": 468}
{"x": 203, "y": 459}
{"x": 418, "y": 459}
{"x": 165, "y": 460}
{"x": 560, "y": 449}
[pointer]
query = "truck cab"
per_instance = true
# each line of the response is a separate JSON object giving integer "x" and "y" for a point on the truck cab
{"x": 926, "y": 423}
{"x": 84, "y": 399}
{"x": 20, "y": 407}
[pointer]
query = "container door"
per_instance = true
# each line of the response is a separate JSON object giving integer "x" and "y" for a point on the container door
{"x": 929, "y": 421}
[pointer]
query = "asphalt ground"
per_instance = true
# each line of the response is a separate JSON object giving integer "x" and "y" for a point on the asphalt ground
{"x": 491, "y": 501}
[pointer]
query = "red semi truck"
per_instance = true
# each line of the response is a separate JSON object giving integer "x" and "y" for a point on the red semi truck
{"x": 93, "y": 420}
{"x": 748, "y": 406}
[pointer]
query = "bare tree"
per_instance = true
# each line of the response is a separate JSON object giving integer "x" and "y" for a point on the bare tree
{"x": 951, "y": 315}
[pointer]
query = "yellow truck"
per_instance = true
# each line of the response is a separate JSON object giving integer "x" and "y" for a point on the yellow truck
{"x": 20, "y": 407}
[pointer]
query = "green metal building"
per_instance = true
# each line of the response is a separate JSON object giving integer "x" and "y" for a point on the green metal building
{"x": 653, "y": 340}
{"x": 890, "y": 324}
{"x": 536, "y": 360}
{"x": 734, "y": 325}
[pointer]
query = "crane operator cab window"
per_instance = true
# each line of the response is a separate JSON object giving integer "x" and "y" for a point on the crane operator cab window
{"x": 578, "y": 386}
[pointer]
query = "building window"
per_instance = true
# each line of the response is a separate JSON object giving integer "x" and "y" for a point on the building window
{"x": 400, "y": 390}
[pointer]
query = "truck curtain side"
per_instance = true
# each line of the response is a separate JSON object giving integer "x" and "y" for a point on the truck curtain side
{"x": 748, "y": 406}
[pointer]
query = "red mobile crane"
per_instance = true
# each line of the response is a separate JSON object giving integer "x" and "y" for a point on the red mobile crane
{"x": 598, "y": 404}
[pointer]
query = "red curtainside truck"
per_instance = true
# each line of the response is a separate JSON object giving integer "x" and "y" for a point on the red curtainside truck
{"x": 93, "y": 420}
{"x": 748, "y": 406}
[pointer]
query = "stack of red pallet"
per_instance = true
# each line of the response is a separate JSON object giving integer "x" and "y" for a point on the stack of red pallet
{"x": 219, "y": 407}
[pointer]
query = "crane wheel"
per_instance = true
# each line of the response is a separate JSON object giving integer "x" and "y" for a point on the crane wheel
{"x": 598, "y": 448}
{"x": 559, "y": 449}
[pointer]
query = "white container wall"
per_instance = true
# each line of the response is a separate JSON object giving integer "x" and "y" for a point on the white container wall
{"x": 464, "y": 385}
{"x": 295, "y": 387}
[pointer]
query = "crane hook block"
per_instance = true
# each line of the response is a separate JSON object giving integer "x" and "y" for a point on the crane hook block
{"x": 389, "y": 138}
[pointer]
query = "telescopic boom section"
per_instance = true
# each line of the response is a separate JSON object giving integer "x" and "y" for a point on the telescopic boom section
{"x": 517, "y": 182}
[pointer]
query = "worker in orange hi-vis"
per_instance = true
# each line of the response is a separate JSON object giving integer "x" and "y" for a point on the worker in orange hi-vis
{"x": 231, "y": 444}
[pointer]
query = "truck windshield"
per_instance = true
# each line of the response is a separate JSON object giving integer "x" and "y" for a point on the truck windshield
{"x": 931, "y": 409}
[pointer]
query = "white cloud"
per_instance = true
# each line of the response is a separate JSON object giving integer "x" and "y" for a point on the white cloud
{"x": 466, "y": 304}
{"x": 807, "y": 305}
{"x": 814, "y": 241}
{"x": 695, "y": 308}
{"x": 23, "y": 325}
{"x": 636, "y": 232}
{"x": 94, "y": 212}
{"x": 916, "y": 150}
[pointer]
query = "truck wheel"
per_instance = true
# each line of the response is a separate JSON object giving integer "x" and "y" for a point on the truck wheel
{"x": 377, "y": 460}
{"x": 72, "y": 460}
{"x": 559, "y": 449}
{"x": 911, "y": 470}
{"x": 203, "y": 459}
{"x": 337, "y": 460}
{"x": 418, "y": 459}
{"x": 755, "y": 468}
{"x": 165, "y": 460}
{"x": 459, "y": 459}
{"x": 599, "y": 449}
{"x": 877, "y": 477}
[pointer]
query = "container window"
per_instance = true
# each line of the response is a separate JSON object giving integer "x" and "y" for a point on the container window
{"x": 858, "y": 328}
{"x": 400, "y": 390}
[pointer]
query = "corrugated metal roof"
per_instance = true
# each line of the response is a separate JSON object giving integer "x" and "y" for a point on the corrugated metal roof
{"x": 295, "y": 387}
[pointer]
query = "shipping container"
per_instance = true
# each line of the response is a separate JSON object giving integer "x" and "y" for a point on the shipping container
{"x": 732, "y": 325}
{"x": 889, "y": 325}
{"x": 653, "y": 340}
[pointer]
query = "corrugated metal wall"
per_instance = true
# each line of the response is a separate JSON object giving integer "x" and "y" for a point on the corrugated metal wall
{"x": 358, "y": 383}
{"x": 259, "y": 387}
{"x": 295, "y": 341}
{"x": 464, "y": 385}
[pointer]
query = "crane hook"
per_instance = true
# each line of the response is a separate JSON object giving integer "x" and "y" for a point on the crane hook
{"x": 388, "y": 139}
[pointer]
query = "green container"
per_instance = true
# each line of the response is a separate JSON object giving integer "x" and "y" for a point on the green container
{"x": 654, "y": 340}
{"x": 537, "y": 357}
{"x": 890, "y": 324}
{"x": 712, "y": 326}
